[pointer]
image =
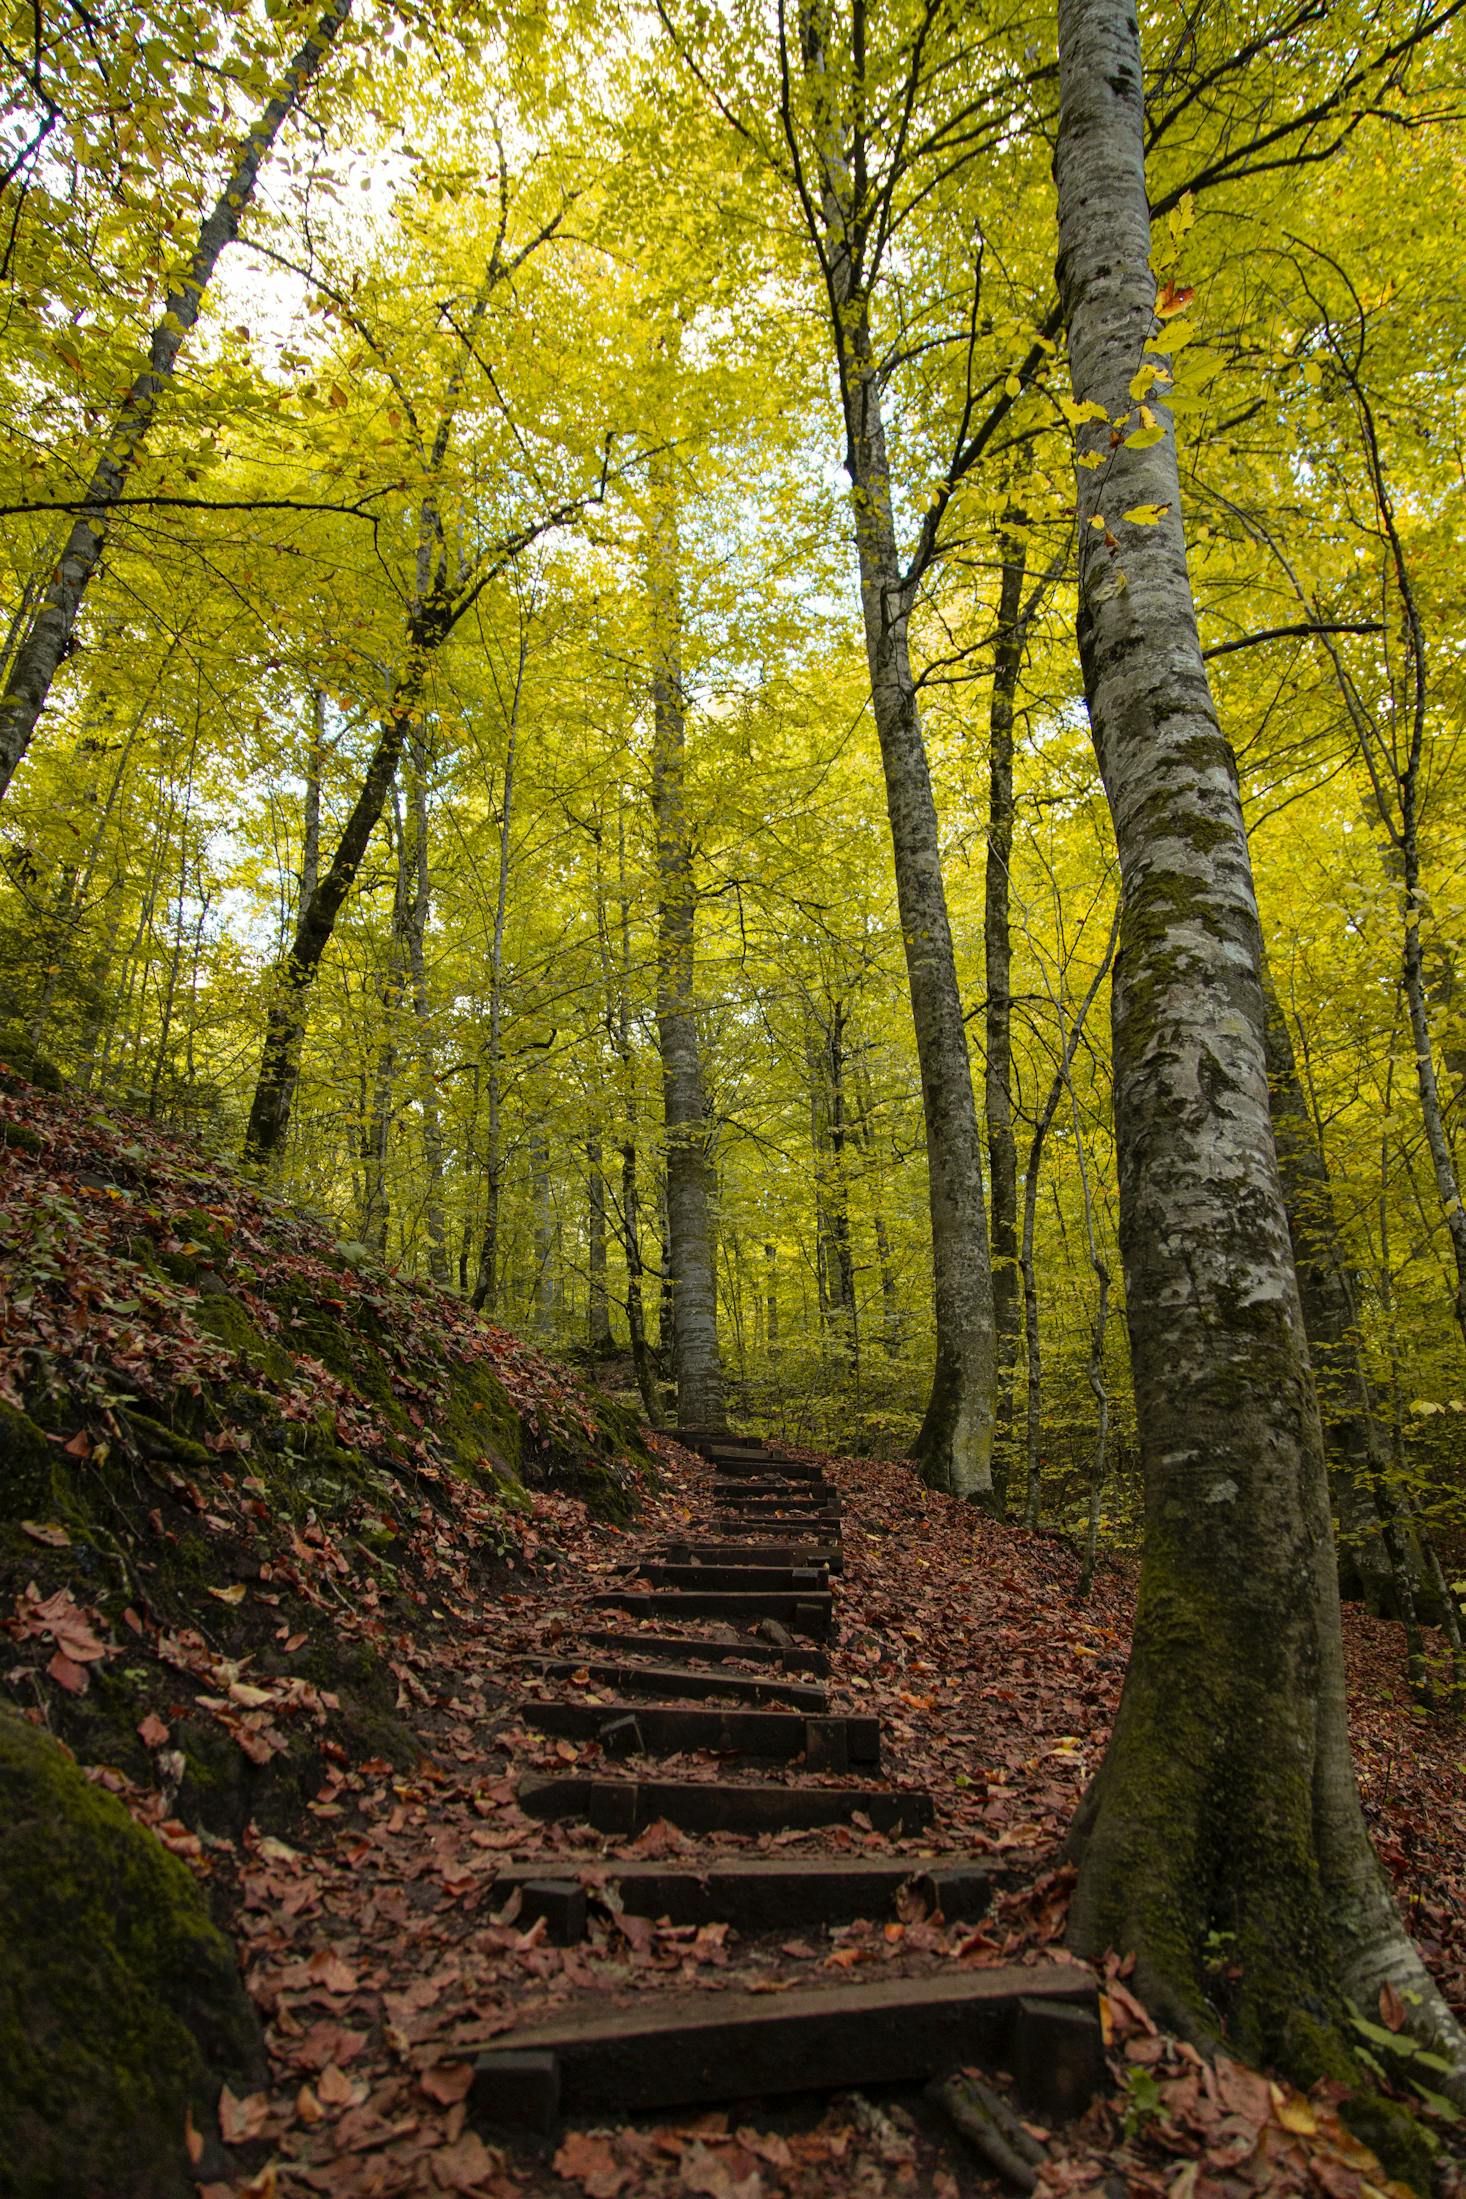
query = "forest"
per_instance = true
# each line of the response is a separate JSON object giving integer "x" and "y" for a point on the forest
{"x": 731, "y": 773}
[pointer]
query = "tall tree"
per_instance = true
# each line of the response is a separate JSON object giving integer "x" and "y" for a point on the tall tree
{"x": 848, "y": 204}
{"x": 36, "y": 658}
{"x": 1226, "y": 1801}
{"x": 690, "y": 1260}
{"x": 998, "y": 968}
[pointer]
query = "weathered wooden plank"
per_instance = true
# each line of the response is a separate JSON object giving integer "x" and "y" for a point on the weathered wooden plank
{"x": 626, "y": 1806}
{"x": 761, "y": 1523}
{"x": 749, "y": 1468}
{"x": 828, "y": 1554}
{"x": 811, "y": 1614}
{"x": 668, "y": 1728}
{"x": 675, "y": 1680}
{"x": 766, "y": 1894}
{"x": 675, "y": 2049}
{"x": 711, "y": 1649}
{"x": 787, "y": 1579}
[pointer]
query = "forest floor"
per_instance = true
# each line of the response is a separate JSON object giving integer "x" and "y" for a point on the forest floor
{"x": 383, "y": 1962}
{"x": 216, "y": 1623}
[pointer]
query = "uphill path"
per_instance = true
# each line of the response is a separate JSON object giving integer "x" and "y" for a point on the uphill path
{"x": 740, "y": 1826}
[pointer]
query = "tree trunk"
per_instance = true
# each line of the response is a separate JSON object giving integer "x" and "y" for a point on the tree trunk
{"x": 696, "y": 1361}
{"x": 598, "y": 1307}
{"x": 1226, "y": 1801}
{"x": 376, "y": 1129}
{"x": 36, "y": 659}
{"x": 998, "y": 1018}
{"x": 486, "y": 1283}
{"x": 956, "y": 1440}
{"x": 1358, "y": 1447}
{"x": 543, "y": 1203}
{"x": 415, "y": 918}
{"x": 269, "y": 1115}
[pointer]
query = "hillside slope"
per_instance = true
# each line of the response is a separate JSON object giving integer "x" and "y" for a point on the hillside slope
{"x": 248, "y": 1481}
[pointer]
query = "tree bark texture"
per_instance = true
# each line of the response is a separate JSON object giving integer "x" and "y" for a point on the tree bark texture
{"x": 1226, "y": 1801}
{"x": 49, "y": 637}
{"x": 696, "y": 1361}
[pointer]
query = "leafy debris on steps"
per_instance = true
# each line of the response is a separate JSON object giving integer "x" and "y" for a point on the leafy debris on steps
{"x": 233, "y": 1551}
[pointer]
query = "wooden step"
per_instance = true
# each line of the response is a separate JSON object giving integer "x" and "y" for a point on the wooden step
{"x": 811, "y": 1613}
{"x": 678, "y": 2049}
{"x": 666, "y": 1729}
{"x": 764, "y": 1523}
{"x": 673, "y": 1680}
{"x": 827, "y": 1554}
{"x": 764, "y": 1894}
{"x": 711, "y": 1649}
{"x": 753, "y": 1473}
{"x": 750, "y": 1502}
{"x": 624, "y": 1807}
{"x": 791, "y": 1580}
{"x": 749, "y": 1468}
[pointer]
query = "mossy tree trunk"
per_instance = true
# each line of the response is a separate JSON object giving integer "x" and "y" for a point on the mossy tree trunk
{"x": 1226, "y": 1801}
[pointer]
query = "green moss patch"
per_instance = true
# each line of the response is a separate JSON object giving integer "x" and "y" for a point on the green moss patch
{"x": 121, "y": 2007}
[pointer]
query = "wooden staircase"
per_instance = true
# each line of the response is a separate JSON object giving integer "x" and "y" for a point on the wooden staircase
{"x": 756, "y": 1591}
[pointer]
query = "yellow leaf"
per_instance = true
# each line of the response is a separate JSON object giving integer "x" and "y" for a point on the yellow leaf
{"x": 1296, "y": 2115}
{"x": 1145, "y": 515}
{"x": 229, "y": 1595}
{"x": 1076, "y": 415}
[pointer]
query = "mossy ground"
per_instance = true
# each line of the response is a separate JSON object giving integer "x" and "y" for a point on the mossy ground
{"x": 121, "y": 2006}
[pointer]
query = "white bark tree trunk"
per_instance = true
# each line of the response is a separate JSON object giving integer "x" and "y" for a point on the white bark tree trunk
{"x": 1226, "y": 1800}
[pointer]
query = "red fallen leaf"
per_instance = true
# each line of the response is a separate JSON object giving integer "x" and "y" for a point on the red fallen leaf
{"x": 131, "y": 1619}
{"x": 1391, "y": 2008}
{"x": 152, "y": 1732}
{"x": 464, "y": 2165}
{"x": 336, "y": 2089}
{"x": 241, "y": 2120}
{"x": 72, "y": 1677}
{"x": 327, "y": 1969}
{"x": 179, "y": 1840}
{"x": 590, "y": 2162}
{"x": 191, "y": 2138}
{"x": 80, "y": 1445}
{"x": 324, "y": 2043}
{"x": 308, "y": 2107}
{"x": 448, "y": 2083}
{"x": 48, "y": 1532}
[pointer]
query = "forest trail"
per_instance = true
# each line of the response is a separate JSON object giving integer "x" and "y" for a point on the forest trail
{"x": 711, "y": 1848}
{"x": 582, "y": 1951}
